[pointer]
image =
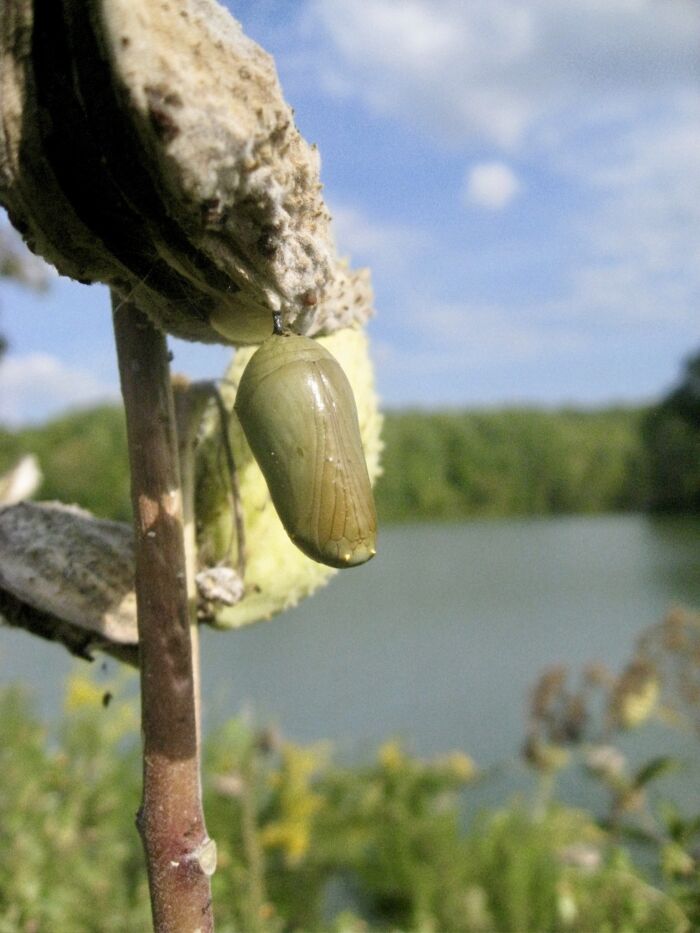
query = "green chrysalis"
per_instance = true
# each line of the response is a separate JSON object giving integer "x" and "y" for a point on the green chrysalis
{"x": 298, "y": 413}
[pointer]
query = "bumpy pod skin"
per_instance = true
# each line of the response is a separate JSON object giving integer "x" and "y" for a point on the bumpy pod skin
{"x": 298, "y": 414}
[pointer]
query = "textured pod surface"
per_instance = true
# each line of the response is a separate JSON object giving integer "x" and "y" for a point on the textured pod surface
{"x": 298, "y": 413}
{"x": 69, "y": 577}
{"x": 147, "y": 144}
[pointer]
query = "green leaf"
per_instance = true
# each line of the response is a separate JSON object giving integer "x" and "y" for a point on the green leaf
{"x": 655, "y": 768}
{"x": 631, "y": 833}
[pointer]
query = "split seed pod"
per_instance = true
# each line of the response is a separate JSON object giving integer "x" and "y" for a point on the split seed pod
{"x": 298, "y": 413}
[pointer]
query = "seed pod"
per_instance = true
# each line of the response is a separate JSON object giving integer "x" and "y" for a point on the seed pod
{"x": 298, "y": 413}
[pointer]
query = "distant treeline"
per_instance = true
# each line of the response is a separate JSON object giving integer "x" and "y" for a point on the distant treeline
{"x": 513, "y": 462}
{"x": 439, "y": 465}
{"x": 83, "y": 459}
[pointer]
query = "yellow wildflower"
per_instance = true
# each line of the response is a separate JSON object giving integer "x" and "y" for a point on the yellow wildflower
{"x": 636, "y": 695}
{"x": 460, "y": 765}
{"x": 391, "y": 756}
{"x": 297, "y": 802}
{"x": 82, "y": 693}
{"x": 292, "y": 836}
{"x": 545, "y": 756}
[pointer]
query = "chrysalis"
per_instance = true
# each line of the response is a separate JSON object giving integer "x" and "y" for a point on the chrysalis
{"x": 298, "y": 413}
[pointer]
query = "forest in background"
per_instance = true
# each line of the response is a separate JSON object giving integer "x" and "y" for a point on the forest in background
{"x": 448, "y": 465}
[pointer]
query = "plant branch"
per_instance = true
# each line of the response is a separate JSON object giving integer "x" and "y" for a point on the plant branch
{"x": 190, "y": 401}
{"x": 179, "y": 853}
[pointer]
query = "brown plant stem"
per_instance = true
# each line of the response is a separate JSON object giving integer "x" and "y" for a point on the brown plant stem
{"x": 179, "y": 854}
{"x": 236, "y": 506}
{"x": 252, "y": 846}
{"x": 190, "y": 401}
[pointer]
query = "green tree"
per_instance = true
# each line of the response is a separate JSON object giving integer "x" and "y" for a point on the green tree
{"x": 685, "y": 399}
{"x": 672, "y": 437}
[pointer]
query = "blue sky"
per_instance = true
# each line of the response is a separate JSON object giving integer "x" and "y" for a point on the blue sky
{"x": 522, "y": 178}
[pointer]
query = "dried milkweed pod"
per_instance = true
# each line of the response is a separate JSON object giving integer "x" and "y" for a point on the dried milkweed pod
{"x": 68, "y": 577}
{"x": 148, "y": 146}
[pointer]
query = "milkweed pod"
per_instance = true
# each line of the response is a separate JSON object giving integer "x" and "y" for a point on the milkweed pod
{"x": 298, "y": 413}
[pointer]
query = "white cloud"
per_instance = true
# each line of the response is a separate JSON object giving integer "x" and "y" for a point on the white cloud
{"x": 640, "y": 257}
{"x": 36, "y": 386}
{"x": 495, "y": 70}
{"x": 600, "y": 97}
{"x": 378, "y": 243}
{"x": 462, "y": 353}
{"x": 492, "y": 185}
{"x": 451, "y": 338}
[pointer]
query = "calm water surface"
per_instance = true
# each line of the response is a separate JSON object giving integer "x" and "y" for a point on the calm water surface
{"x": 438, "y": 639}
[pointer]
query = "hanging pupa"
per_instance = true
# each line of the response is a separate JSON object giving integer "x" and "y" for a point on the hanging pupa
{"x": 298, "y": 413}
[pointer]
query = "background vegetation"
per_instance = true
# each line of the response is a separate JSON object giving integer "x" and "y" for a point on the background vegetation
{"x": 83, "y": 459}
{"x": 389, "y": 844}
{"x": 672, "y": 442}
{"x": 444, "y": 465}
{"x": 436, "y": 465}
{"x": 513, "y": 462}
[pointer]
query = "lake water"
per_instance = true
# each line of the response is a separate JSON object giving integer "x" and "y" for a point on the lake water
{"x": 439, "y": 638}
